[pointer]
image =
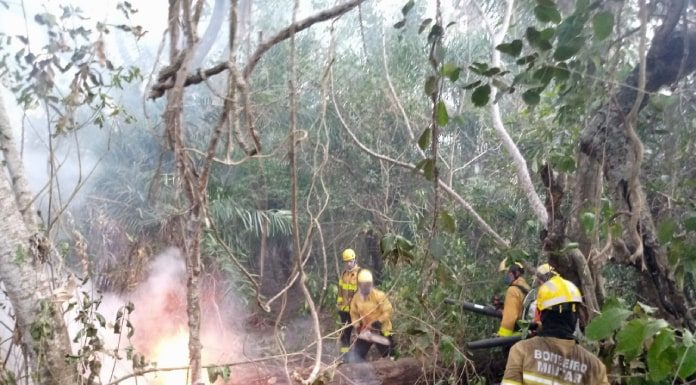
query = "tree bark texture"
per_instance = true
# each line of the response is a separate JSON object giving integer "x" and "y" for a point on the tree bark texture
{"x": 407, "y": 371}
{"x": 605, "y": 150}
{"x": 13, "y": 162}
{"x": 28, "y": 287}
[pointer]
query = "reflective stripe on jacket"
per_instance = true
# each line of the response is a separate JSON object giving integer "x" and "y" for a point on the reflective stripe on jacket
{"x": 373, "y": 307}
{"x": 513, "y": 307}
{"x": 347, "y": 285}
{"x": 553, "y": 361}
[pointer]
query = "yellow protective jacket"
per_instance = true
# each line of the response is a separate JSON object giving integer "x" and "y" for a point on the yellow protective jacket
{"x": 547, "y": 360}
{"x": 373, "y": 307}
{"x": 513, "y": 307}
{"x": 347, "y": 285}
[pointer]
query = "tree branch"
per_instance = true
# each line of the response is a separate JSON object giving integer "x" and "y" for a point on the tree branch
{"x": 518, "y": 160}
{"x": 500, "y": 241}
{"x": 168, "y": 72}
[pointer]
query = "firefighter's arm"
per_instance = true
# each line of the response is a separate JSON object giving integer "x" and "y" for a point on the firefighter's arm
{"x": 513, "y": 369}
{"x": 511, "y": 312}
{"x": 354, "y": 315}
{"x": 339, "y": 294}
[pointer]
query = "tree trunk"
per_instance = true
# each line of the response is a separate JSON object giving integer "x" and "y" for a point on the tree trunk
{"x": 605, "y": 142}
{"x": 13, "y": 162}
{"x": 38, "y": 316}
{"x": 407, "y": 371}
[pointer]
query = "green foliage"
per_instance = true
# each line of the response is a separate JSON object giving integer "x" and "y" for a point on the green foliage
{"x": 513, "y": 48}
{"x": 447, "y": 222}
{"x": 441, "y": 116}
{"x": 546, "y": 12}
{"x": 602, "y": 24}
{"x": 645, "y": 341}
{"x": 219, "y": 372}
{"x": 481, "y": 95}
{"x": 425, "y": 138}
{"x": 396, "y": 248}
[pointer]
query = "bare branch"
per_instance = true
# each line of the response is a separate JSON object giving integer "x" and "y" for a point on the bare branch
{"x": 168, "y": 72}
{"x": 500, "y": 241}
{"x": 518, "y": 160}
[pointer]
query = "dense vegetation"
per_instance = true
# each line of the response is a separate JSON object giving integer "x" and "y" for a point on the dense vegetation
{"x": 435, "y": 138}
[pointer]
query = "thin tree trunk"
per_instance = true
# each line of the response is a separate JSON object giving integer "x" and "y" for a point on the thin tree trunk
{"x": 28, "y": 287}
{"x": 523, "y": 177}
{"x": 13, "y": 161}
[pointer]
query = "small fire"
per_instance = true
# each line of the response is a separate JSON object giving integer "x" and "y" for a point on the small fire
{"x": 171, "y": 352}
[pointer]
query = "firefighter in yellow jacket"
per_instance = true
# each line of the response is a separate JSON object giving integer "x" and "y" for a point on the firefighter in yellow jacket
{"x": 513, "y": 307}
{"x": 347, "y": 285}
{"x": 371, "y": 310}
{"x": 553, "y": 356}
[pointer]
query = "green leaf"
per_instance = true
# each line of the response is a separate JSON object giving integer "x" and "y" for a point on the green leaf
{"x": 547, "y": 33}
{"x": 571, "y": 28}
{"x": 606, "y": 323}
{"x": 527, "y": 59}
{"x": 544, "y": 74}
{"x": 472, "y": 85}
{"x": 568, "y": 50}
{"x": 537, "y": 39}
{"x": 407, "y": 7}
{"x": 561, "y": 73}
{"x": 431, "y": 85}
{"x": 660, "y": 365}
{"x": 514, "y": 48}
{"x": 481, "y": 95}
{"x": 688, "y": 364}
{"x": 547, "y": 14}
{"x": 666, "y": 230}
{"x": 629, "y": 340}
{"x": 479, "y": 68}
{"x": 424, "y": 24}
{"x": 436, "y": 32}
{"x": 100, "y": 319}
{"x": 451, "y": 71}
{"x": 602, "y": 25}
{"x": 531, "y": 97}
{"x": 587, "y": 219}
{"x": 428, "y": 168}
{"x": 446, "y": 222}
{"x": 441, "y": 116}
{"x": 400, "y": 24}
{"x": 690, "y": 221}
{"x": 424, "y": 140}
{"x": 653, "y": 326}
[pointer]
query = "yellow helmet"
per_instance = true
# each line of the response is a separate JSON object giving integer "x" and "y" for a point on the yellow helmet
{"x": 364, "y": 276}
{"x": 557, "y": 291}
{"x": 545, "y": 269}
{"x": 504, "y": 266}
{"x": 348, "y": 255}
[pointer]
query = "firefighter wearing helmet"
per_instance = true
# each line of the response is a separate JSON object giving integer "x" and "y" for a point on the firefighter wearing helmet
{"x": 513, "y": 306}
{"x": 543, "y": 273}
{"x": 371, "y": 311}
{"x": 553, "y": 356}
{"x": 347, "y": 286}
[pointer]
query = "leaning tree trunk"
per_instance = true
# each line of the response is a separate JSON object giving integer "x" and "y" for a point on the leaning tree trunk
{"x": 605, "y": 147}
{"x": 39, "y": 317}
{"x": 13, "y": 162}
